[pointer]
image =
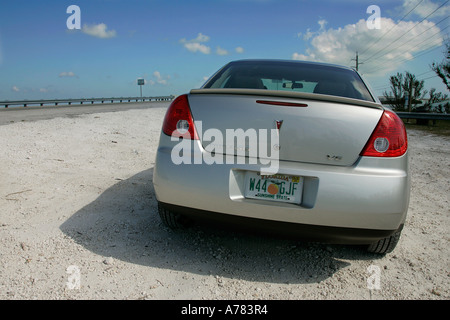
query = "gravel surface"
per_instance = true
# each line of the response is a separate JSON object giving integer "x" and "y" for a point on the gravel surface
{"x": 78, "y": 220}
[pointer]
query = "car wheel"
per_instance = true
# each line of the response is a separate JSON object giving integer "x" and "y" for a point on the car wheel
{"x": 385, "y": 245}
{"x": 171, "y": 219}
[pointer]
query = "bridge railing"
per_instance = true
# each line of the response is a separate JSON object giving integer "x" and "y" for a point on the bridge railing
{"x": 26, "y": 103}
{"x": 423, "y": 115}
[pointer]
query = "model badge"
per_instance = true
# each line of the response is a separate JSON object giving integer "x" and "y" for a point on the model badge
{"x": 334, "y": 157}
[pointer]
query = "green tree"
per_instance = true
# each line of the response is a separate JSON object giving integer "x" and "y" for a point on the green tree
{"x": 434, "y": 97}
{"x": 406, "y": 91}
{"x": 396, "y": 97}
{"x": 414, "y": 88}
{"x": 443, "y": 69}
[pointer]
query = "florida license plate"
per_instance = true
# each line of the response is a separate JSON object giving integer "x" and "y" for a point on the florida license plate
{"x": 281, "y": 188}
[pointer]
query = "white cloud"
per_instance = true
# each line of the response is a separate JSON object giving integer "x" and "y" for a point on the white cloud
{"x": 195, "y": 45}
{"x": 159, "y": 79}
{"x": 221, "y": 52}
{"x": 201, "y": 38}
{"x": 69, "y": 74}
{"x": 99, "y": 31}
{"x": 425, "y": 8}
{"x": 402, "y": 42}
{"x": 47, "y": 89}
{"x": 15, "y": 89}
{"x": 309, "y": 34}
{"x": 322, "y": 23}
{"x": 198, "y": 44}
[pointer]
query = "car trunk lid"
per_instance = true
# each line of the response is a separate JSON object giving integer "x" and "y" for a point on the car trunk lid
{"x": 309, "y": 128}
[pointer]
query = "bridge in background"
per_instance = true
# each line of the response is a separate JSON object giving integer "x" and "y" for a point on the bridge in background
{"x": 26, "y": 103}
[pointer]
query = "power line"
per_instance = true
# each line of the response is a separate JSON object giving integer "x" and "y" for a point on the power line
{"x": 421, "y": 54}
{"x": 381, "y": 87}
{"x": 389, "y": 86}
{"x": 407, "y": 31}
{"x": 395, "y": 25}
{"x": 404, "y": 60}
{"x": 435, "y": 76}
{"x": 425, "y": 72}
{"x": 394, "y": 60}
{"x": 416, "y": 44}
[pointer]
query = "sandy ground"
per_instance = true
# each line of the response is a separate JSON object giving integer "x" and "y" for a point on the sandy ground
{"x": 78, "y": 220}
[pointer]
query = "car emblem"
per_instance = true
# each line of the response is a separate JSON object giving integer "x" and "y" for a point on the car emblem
{"x": 278, "y": 123}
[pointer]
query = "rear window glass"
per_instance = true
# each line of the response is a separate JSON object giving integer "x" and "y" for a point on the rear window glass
{"x": 294, "y": 77}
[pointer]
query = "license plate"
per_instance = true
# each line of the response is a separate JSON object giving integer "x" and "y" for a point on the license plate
{"x": 281, "y": 188}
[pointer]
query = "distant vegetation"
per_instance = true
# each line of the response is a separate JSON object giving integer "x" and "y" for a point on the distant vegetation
{"x": 407, "y": 93}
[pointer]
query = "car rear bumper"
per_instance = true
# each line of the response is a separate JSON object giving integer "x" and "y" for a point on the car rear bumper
{"x": 372, "y": 195}
{"x": 296, "y": 231}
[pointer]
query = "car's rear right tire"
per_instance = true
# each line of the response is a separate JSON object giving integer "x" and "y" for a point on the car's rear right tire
{"x": 385, "y": 245}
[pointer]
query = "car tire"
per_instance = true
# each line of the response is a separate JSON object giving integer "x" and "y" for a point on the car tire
{"x": 385, "y": 245}
{"x": 171, "y": 219}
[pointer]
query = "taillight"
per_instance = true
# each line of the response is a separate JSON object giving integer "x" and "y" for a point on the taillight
{"x": 178, "y": 121}
{"x": 388, "y": 139}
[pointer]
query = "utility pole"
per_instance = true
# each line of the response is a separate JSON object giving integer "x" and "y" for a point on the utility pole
{"x": 411, "y": 92}
{"x": 409, "y": 95}
{"x": 357, "y": 61}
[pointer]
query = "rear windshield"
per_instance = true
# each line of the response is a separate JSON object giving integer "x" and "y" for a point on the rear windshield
{"x": 294, "y": 77}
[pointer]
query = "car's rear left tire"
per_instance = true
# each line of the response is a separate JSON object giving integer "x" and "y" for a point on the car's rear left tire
{"x": 170, "y": 218}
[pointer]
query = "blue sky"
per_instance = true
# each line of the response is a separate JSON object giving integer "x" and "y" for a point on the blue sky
{"x": 176, "y": 45}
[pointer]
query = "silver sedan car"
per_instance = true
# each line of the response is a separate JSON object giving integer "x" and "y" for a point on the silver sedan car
{"x": 301, "y": 147}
